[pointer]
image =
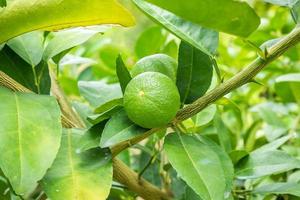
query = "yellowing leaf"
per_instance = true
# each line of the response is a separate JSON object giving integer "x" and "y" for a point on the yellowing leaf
{"x": 21, "y": 16}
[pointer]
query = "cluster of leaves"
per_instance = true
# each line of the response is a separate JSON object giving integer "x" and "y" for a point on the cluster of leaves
{"x": 244, "y": 146}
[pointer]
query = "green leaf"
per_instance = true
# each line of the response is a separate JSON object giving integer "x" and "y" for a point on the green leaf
{"x": 273, "y": 145}
{"x": 64, "y": 40}
{"x": 286, "y": 3}
{"x": 204, "y": 39}
{"x": 190, "y": 194}
{"x": 223, "y": 133}
{"x": 29, "y": 47}
{"x": 122, "y": 73}
{"x": 91, "y": 138}
{"x": 29, "y": 138}
{"x": 266, "y": 163}
{"x": 119, "y": 129}
{"x": 36, "y": 79}
{"x": 98, "y": 93}
{"x": 205, "y": 116}
{"x": 109, "y": 105}
{"x": 52, "y": 15}
{"x": 237, "y": 155}
{"x": 203, "y": 165}
{"x": 78, "y": 175}
{"x": 150, "y": 42}
{"x": 228, "y": 16}
{"x": 287, "y": 87}
{"x": 194, "y": 75}
{"x": 279, "y": 188}
{"x": 2, "y": 3}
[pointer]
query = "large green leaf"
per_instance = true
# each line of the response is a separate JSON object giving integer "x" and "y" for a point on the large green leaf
{"x": 266, "y": 163}
{"x": 76, "y": 174}
{"x": 119, "y": 129}
{"x": 30, "y": 134}
{"x": 194, "y": 74}
{"x": 2, "y": 3}
{"x": 203, "y": 165}
{"x": 52, "y": 15}
{"x": 204, "y": 39}
{"x": 279, "y": 188}
{"x": 228, "y": 16}
{"x": 29, "y": 47}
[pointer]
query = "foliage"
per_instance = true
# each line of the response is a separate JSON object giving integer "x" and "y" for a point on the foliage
{"x": 243, "y": 144}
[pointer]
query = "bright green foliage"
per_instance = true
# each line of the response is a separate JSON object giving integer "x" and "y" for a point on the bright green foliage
{"x": 156, "y": 63}
{"x": 204, "y": 39}
{"x": 52, "y": 15}
{"x": 279, "y": 188}
{"x": 202, "y": 164}
{"x": 78, "y": 175}
{"x": 151, "y": 100}
{"x": 229, "y": 16}
{"x": 119, "y": 129}
{"x": 28, "y": 148}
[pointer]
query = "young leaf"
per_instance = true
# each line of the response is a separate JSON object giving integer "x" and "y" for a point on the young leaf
{"x": 150, "y": 42}
{"x": 78, "y": 175}
{"x": 29, "y": 47}
{"x": 229, "y": 16}
{"x": 119, "y": 129}
{"x": 97, "y": 93}
{"x": 64, "y": 40}
{"x": 52, "y": 15}
{"x": 122, "y": 73}
{"x": 194, "y": 75}
{"x": 279, "y": 188}
{"x": 266, "y": 163}
{"x": 29, "y": 138}
{"x": 203, "y": 165}
{"x": 203, "y": 39}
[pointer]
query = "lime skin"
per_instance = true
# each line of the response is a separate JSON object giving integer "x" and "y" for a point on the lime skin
{"x": 151, "y": 100}
{"x": 156, "y": 63}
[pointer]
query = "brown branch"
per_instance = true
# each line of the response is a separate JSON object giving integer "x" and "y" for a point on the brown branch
{"x": 236, "y": 81}
{"x": 122, "y": 173}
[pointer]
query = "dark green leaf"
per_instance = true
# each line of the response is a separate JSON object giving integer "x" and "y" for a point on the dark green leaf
{"x": 204, "y": 39}
{"x": 190, "y": 194}
{"x": 76, "y": 174}
{"x": 202, "y": 164}
{"x": 29, "y": 137}
{"x": 229, "y": 16}
{"x": 119, "y": 129}
{"x": 237, "y": 155}
{"x": 36, "y": 79}
{"x": 194, "y": 75}
{"x": 3, "y": 3}
{"x": 122, "y": 73}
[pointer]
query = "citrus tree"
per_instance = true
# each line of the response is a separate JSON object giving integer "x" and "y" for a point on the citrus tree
{"x": 149, "y": 99}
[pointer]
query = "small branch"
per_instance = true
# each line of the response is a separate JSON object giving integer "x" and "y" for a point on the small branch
{"x": 235, "y": 82}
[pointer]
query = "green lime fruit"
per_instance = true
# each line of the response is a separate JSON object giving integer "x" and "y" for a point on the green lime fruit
{"x": 156, "y": 63}
{"x": 151, "y": 100}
